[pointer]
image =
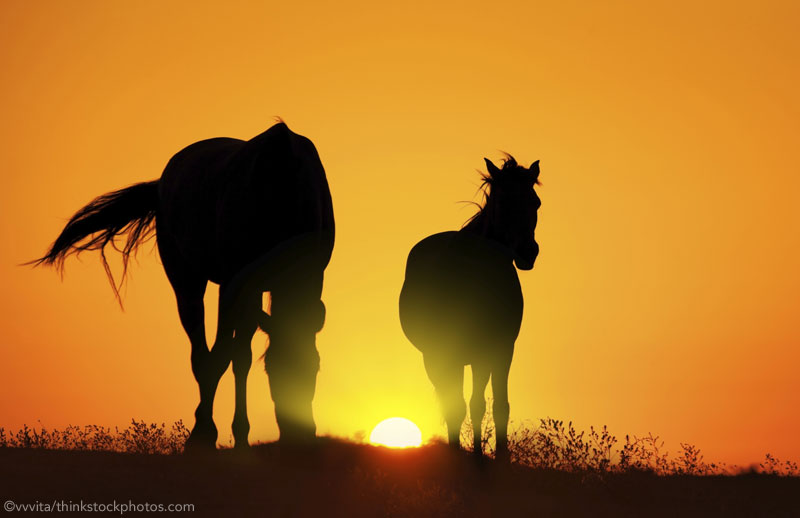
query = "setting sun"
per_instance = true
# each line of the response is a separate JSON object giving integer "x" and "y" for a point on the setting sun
{"x": 396, "y": 432}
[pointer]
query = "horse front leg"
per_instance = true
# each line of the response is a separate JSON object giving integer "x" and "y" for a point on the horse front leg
{"x": 501, "y": 407}
{"x": 447, "y": 377}
{"x": 477, "y": 405}
{"x": 292, "y": 360}
{"x": 292, "y": 382}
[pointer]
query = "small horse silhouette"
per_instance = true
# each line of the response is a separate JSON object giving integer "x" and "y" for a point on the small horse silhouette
{"x": 461, "y": 302}
{"x": 253, "y": 217}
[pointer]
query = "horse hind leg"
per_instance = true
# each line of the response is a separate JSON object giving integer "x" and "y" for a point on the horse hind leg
{"x": 448, "y": 380}
{"x": 189, "y": 288}
{"x": 192, "y": 315}
{"x": 237, "y": 321}
{"x": 208, "y": 367}
{"x": 477, "y": 404}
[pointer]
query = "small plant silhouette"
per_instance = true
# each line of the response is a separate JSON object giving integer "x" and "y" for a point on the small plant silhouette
{"x": 773, "y": 466}
{"x": 139, "y": 437}
{"x": 555, "y": 445}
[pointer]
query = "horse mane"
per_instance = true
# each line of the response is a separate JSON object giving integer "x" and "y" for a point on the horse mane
{"x": 510, "y": 165}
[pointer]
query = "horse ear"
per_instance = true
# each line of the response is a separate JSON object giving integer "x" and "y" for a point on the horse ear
{"x": 493, "y": 170}
{"x": 534, "y": 169}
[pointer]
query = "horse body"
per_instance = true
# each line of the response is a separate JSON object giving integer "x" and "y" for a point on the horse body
{"x": 461, "y": 301}
{"x": 252, "y": 216}
{"x": 225, "y": 202}
{"x": 453, "y": 274}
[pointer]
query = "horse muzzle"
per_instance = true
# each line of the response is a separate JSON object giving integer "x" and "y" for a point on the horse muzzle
{"x": 526, "y": 255}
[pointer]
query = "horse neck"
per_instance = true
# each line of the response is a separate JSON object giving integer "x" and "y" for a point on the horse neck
{"x": 482, "y": 224}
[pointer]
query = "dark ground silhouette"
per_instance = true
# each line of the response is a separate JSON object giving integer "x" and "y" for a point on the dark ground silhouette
{"x": 461, "y": 302}
{"x": 343, "y": 479}
{"x": 253, "y": 217}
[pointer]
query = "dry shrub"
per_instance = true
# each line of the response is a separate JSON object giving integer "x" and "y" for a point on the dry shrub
{"x": 555, "y": 445}
{"x": 139, "y": 437}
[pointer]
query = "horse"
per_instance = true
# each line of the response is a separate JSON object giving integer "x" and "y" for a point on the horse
{"x": 461, "y": 301}
{"x": 252, "y": 216}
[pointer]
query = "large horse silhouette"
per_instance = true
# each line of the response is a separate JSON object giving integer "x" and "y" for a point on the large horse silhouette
{"x": 252, "y": 216}
{"x": 461, "y": 302}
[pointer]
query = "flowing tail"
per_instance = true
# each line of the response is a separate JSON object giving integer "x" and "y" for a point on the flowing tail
{"x": 130, "y": 211}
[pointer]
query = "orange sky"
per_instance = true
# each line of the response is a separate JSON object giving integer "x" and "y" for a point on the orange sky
{"x": 665, "y": 296}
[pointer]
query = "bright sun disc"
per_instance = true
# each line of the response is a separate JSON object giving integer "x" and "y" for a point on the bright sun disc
{"x": 396, "y": 432}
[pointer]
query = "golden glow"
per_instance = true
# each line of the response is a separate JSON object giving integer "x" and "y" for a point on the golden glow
{"x": 396, "y": 432}
{"x": 665, "y": 296}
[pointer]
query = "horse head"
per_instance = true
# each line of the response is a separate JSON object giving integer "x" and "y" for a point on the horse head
{"x": 512, "y": 206}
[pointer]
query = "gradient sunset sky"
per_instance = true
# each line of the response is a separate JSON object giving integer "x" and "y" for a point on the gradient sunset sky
{"x": 665, "y": 298}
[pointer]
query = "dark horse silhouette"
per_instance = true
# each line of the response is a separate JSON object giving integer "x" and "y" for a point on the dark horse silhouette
{"x": 461, "y": 303}
{"x": 253, "y": 217}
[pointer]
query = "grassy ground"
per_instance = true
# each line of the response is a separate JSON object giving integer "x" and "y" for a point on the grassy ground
{"x": 337, "y": 478}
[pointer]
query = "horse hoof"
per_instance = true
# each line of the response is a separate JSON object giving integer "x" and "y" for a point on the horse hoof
{"x": 199, "y": 443}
